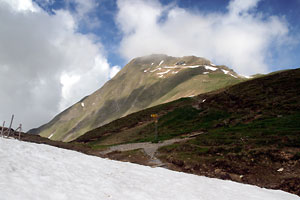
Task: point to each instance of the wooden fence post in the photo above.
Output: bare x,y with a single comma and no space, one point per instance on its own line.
2,129
20,130
12,119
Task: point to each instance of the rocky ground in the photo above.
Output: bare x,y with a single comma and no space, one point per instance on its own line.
147,152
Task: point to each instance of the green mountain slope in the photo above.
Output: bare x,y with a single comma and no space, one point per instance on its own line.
249,133
271,97
142,83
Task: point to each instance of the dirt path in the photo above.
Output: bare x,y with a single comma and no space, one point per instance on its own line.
148,147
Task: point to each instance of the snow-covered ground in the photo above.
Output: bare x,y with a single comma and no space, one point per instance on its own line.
35,171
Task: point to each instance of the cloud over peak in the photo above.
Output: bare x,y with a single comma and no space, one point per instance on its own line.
239,38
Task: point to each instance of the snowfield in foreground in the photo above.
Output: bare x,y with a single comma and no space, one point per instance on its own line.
35,171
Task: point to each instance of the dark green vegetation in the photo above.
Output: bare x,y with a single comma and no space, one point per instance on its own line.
135,127
252,152
139,85
267,105
251,132
280,131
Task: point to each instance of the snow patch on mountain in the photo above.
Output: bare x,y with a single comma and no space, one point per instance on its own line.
194,66
248,77
171,67
161,73
210,68
154,70
233,75
225,71
161,62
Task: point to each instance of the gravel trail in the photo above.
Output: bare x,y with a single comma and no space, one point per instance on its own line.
148,147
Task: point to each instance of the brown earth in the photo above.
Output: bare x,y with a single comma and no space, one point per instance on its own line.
137,156
268,168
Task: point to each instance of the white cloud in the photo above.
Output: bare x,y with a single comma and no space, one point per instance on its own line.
83,7
24,5
84,80
241,6
45,64
238,38
83,12
114,70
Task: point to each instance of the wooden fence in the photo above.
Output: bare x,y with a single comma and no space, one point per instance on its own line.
9,132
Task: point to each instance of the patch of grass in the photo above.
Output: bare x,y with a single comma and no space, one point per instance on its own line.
209,119
169,148
186,113
202,150
220,80
270,131
133,152
296,156
240,140
185,119
96,146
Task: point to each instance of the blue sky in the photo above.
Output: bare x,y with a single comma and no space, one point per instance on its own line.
110,35
59,51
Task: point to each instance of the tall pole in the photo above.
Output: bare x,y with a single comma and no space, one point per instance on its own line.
156,132
20,131
12,119
2,129
155,117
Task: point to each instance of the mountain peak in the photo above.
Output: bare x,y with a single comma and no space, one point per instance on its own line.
169,60
144,82
163,66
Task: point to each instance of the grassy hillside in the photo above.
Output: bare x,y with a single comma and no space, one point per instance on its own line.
268,98
142,83
250,132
